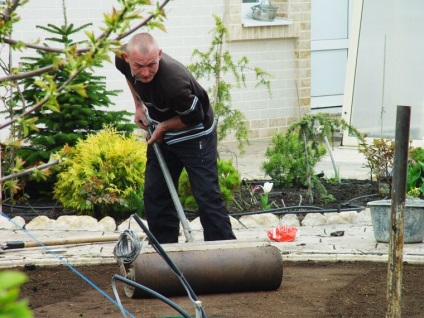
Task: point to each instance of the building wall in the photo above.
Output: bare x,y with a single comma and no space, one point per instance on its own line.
283,51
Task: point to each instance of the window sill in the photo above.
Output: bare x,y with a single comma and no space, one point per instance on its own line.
250,22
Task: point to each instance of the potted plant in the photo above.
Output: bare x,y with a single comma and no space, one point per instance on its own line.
414,209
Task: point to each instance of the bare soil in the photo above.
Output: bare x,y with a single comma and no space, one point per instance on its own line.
308,289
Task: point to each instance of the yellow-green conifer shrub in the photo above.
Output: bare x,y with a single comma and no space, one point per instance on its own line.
100,173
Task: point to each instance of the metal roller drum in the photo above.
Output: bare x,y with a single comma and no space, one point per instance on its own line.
227,270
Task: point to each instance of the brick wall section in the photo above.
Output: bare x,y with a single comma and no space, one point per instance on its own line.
283,51
297,83
303,54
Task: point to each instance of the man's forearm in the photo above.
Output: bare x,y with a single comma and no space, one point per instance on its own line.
172,124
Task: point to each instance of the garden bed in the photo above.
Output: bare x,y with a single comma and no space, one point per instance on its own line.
345,194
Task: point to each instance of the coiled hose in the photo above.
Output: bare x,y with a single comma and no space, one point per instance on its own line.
128,247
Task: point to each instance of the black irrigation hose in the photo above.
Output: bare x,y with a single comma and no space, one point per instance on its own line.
153,293
156,245
277,210
363,196
26,207
298,209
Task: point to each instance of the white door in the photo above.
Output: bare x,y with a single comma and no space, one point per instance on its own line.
329,48
386,68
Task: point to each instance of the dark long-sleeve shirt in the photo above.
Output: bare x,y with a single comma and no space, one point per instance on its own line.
173,91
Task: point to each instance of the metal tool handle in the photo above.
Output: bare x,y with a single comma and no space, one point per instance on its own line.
181,215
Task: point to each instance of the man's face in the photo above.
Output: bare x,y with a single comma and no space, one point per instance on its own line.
143,67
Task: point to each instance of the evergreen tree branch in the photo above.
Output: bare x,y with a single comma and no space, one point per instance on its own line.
39,71
40,104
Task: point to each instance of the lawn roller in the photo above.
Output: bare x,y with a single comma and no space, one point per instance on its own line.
200,267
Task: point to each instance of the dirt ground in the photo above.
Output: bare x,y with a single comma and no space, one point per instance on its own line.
308,289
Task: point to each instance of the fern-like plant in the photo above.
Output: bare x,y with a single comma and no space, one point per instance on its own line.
100,174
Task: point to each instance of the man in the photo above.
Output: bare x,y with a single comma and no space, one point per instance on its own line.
186,131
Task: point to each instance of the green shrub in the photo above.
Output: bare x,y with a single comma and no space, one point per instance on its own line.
100,173
229,182
286,161
10,306
292,156
415,179
82,109
380,159
416,154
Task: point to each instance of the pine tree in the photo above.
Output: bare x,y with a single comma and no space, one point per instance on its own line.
80,112
78,115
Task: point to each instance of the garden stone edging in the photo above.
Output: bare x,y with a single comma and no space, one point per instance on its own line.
108,224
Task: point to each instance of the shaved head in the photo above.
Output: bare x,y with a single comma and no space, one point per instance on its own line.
142,43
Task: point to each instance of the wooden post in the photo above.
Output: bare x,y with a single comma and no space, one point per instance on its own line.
395,264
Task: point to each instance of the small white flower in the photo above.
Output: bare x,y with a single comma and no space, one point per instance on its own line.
267,187
319,129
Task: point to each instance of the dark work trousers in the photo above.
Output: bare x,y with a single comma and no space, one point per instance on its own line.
199,158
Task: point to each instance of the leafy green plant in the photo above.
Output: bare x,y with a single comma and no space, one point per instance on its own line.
324,196
416,154
415,179
286,162
229,183
415,176
380,159
100,173
264,197
242,203
214,64
292,156
10,305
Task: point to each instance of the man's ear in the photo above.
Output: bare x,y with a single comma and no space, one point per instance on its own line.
160,54
125,56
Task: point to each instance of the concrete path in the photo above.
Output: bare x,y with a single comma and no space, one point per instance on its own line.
314,242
